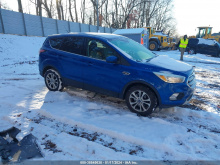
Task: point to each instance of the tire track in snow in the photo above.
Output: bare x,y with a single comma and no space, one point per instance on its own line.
107,138
103,139
193,123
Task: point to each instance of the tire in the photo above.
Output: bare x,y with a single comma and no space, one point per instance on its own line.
153,46
191,51
53,80
141,100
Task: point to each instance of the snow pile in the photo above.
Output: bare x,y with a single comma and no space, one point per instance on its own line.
70,125
160,34
207,41
129,31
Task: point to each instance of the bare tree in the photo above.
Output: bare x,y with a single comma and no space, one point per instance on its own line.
162,18
59,6
75,11
112,13
127,10
70,10
4,6
83,7
62,10
94,4
39,7
94,10
47,8
20,9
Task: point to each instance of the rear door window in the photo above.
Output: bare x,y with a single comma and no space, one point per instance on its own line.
73,45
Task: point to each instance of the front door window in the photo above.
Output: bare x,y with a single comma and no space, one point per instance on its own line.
98,50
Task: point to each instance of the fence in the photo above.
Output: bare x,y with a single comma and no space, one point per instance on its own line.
25,24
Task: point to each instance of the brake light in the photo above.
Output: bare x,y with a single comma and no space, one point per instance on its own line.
41,51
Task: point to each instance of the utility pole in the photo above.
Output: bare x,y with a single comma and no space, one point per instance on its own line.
97,7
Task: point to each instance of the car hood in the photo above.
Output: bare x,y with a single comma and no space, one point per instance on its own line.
170,63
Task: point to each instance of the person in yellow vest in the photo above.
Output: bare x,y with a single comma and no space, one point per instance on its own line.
183,45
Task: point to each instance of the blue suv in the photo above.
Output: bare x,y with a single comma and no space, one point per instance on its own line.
116,66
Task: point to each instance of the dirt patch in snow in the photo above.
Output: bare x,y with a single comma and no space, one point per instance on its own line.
49,145
21,63
90,136
195,104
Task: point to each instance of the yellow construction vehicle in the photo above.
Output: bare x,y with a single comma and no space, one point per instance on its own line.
172,43
157,40
206,33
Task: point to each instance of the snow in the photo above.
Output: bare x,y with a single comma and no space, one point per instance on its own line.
160,34
129,31
169,63
207,41
84,127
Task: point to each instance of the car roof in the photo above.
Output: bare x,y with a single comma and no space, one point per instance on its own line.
87,34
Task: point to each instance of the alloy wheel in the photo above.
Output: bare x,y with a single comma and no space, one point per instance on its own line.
52,80
139,101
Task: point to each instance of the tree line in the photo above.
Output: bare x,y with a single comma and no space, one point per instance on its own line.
119,14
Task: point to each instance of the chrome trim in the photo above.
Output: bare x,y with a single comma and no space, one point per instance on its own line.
125,73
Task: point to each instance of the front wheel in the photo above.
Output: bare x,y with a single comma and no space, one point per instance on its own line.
141,100
53,80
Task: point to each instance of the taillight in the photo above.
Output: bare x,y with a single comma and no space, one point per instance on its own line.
41,51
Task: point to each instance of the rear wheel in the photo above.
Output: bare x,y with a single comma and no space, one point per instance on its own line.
141,100
53,80
153,46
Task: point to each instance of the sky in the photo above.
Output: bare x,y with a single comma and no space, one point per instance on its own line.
189,14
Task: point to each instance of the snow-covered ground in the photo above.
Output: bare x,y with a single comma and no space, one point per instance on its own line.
75,125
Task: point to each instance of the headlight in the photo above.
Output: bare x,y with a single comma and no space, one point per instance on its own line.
170,78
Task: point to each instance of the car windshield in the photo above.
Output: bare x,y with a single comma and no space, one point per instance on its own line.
133,49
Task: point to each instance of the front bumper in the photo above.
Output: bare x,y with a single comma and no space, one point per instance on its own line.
185,94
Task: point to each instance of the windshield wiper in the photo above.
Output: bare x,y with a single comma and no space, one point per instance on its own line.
138,60
147,60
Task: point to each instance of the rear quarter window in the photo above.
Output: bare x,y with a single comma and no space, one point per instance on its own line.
73,45
56,43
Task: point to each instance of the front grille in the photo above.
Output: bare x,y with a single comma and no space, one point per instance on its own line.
191,80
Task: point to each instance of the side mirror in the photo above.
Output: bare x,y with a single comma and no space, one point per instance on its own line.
112,59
